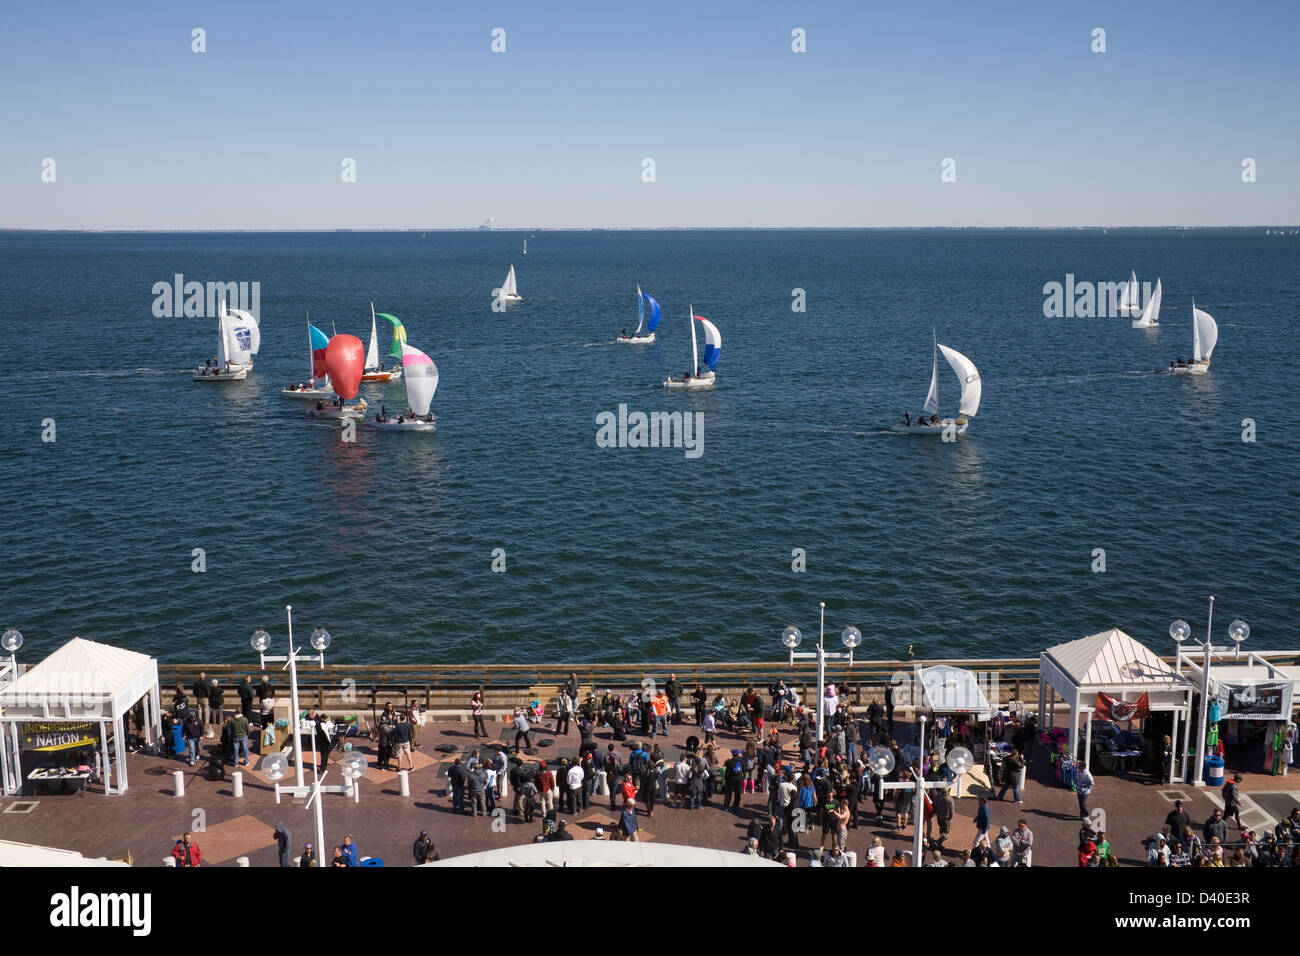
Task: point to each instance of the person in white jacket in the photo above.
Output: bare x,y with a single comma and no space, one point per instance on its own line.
1022,838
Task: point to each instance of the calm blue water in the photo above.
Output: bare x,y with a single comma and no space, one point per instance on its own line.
983,547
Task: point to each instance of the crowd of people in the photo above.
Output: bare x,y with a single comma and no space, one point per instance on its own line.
1178,843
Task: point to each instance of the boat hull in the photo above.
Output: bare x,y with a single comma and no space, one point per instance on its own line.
1198,369
333,411
234,375
636,339
390,376
315,394
1139,324
701,381
403,426
898,428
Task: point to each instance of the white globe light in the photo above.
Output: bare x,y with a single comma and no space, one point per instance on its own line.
11,640
275,766
791,637
1239,630
851,637
1179,631
320,639
960,760
354,765
880,760
260,640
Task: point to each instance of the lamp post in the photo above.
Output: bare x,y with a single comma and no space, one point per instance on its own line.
851,638
11,641
1179,630
320,640
881,760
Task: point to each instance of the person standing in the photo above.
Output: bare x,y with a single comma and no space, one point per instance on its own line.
193,731
246,695
545,781
283,840
735,770
239,728
308,857
266,702
577,788
563,711
889,705
476,711
457,780
522,731
1022,840
1215,826
1083,783
662,710
944,808
1178,820
186,852
700,697
351,854
403,733
422,849
324,741
1012,765
478,790
674,690
202,690
216,703
648,789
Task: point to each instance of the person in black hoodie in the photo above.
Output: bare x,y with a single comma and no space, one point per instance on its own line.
769,839
245,692
647,789
216,700
457,779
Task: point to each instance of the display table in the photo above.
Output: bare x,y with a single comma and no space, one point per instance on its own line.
1116,761
59,779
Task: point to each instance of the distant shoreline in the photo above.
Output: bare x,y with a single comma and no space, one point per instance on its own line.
535,229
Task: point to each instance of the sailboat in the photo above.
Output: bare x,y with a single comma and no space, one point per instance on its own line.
243,324
235,340
508,291
525,247
636,338
1129,297
318,380
421,382
1205,335
971,389
1151,314
373,371
712,349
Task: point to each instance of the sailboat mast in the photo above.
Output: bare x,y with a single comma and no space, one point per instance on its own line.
695,352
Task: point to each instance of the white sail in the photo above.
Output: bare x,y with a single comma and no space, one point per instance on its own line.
695,352
969,377
508,287
640,310
247,321
372,353
1128,296
932,398
421,378
1151,314
237,339
1205,334
223,339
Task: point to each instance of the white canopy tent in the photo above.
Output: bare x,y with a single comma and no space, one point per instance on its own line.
953,690
27,854
82,682
1111,663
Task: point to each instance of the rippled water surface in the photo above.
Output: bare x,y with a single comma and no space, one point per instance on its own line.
983,547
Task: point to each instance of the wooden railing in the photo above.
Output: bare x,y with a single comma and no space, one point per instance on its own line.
507,685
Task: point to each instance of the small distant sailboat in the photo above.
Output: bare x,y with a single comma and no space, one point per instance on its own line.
236,338
508,290
1150,317
1205,335
712,350
636,338
421,382
1130,297
373,371
317,385
971,390
525,247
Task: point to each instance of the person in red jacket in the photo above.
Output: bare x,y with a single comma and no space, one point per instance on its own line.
186,852
545,781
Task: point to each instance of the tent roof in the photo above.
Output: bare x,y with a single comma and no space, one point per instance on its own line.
85,672
586,852
26,854
1111,659
953,690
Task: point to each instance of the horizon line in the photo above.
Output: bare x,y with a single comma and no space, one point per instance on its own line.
517,229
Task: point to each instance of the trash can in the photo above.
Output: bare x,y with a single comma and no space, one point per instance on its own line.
1214,771
178,740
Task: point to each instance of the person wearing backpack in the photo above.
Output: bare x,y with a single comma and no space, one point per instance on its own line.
734,780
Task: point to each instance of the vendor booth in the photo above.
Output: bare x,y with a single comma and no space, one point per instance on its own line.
1110,682
1251,710
960,712
65,718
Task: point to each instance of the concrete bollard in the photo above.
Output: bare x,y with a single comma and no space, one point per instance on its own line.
602,784
237,783
404,783
852,857
241,861
178,783
1024,771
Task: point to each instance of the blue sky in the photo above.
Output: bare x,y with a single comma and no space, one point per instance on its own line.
552,133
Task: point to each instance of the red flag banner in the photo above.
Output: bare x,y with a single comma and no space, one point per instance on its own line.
1108,708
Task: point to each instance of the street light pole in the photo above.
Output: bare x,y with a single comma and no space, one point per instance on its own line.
293,715
1205,701
821,678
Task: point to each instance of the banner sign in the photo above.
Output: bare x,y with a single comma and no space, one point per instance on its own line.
1255,701
60,735
1109,708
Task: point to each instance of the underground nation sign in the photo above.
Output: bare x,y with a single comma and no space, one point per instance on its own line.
60,735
